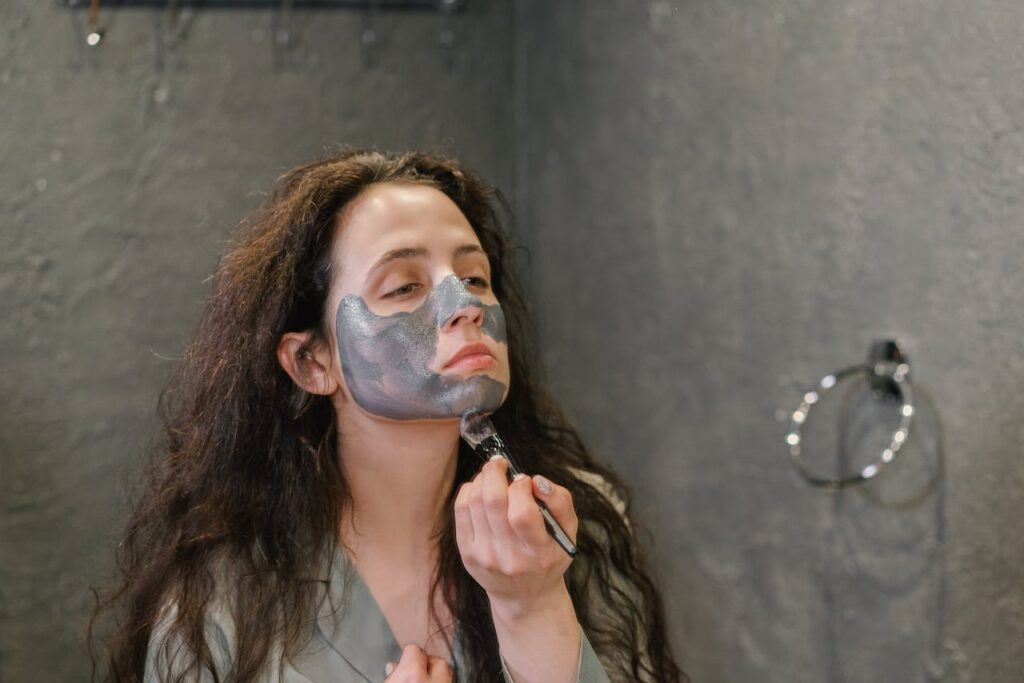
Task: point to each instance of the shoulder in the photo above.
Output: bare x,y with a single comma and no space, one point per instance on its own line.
169,655
604,487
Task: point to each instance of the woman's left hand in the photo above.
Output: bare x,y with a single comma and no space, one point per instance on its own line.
503,541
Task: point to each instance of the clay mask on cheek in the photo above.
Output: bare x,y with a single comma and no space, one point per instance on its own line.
385,358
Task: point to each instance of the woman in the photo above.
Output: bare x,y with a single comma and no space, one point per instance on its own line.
312,507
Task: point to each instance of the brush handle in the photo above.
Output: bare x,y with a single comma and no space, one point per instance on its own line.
556,530
493,445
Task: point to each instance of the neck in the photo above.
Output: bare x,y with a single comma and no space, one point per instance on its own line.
399,475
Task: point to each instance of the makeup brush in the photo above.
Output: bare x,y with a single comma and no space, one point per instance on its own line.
479,433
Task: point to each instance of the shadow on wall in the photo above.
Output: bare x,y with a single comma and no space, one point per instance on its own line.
885,583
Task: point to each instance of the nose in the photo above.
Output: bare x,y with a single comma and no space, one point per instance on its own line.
468,313
457,305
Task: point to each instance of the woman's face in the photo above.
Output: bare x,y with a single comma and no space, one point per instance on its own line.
419,333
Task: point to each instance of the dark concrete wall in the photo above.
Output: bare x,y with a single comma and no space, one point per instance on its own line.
726,200
120,177
729,200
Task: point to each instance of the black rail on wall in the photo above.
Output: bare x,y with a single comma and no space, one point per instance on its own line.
425,5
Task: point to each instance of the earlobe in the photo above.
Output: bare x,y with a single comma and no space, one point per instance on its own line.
305,364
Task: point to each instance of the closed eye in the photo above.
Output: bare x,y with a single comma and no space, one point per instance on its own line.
404,289
476,281
408,288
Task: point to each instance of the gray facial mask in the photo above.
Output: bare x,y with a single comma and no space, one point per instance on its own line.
385,358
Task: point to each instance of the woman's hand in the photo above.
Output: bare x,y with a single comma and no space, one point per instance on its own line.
507,549
416,666
502,538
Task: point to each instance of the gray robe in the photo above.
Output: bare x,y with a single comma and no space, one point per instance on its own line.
351,640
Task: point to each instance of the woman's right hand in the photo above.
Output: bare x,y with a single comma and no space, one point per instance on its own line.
416,666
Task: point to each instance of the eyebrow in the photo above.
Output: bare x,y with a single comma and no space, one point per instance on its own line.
419,252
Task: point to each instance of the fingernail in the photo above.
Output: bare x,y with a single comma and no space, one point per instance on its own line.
518,476
388,668
543,484
497,457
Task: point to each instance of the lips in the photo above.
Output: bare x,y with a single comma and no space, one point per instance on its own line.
471,354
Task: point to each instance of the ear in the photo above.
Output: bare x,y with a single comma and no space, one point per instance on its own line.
307,364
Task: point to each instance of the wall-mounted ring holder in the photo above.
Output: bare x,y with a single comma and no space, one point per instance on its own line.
888,373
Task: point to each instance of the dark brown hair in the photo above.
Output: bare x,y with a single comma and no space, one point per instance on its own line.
246,467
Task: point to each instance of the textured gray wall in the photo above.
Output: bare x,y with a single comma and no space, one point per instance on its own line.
120,178
728,200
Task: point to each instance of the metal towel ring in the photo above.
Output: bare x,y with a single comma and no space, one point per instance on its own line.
888,372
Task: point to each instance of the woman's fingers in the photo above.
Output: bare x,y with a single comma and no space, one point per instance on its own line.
480,550
414,657
416,666
464,533
439,670
510,553
523,514
503,516
412,667
559,503
495,500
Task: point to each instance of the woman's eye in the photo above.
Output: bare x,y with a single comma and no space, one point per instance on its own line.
408,288
404,289
476,281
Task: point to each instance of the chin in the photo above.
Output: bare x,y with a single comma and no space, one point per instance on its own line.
480,391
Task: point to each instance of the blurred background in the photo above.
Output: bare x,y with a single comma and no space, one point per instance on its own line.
724,201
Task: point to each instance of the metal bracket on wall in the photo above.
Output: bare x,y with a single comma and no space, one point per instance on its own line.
283,38
421,5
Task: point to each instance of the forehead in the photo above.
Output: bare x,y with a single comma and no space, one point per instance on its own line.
392,215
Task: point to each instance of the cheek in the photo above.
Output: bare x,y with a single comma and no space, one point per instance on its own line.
504,363
337,370
348,348
505,377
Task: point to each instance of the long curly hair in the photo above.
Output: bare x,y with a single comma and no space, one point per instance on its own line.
246,467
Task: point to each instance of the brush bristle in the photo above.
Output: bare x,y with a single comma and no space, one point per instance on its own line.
476,427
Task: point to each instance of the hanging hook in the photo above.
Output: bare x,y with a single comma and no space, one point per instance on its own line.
168,30
171,32
446,38
95,35
368,36
283,39
171,25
